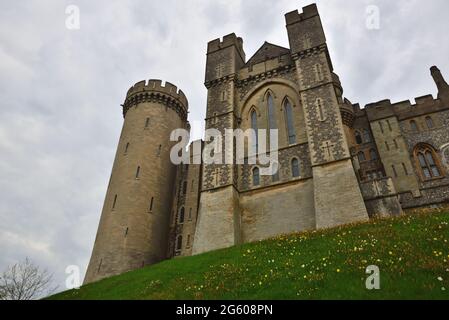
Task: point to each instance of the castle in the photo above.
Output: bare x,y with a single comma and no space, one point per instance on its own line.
338,163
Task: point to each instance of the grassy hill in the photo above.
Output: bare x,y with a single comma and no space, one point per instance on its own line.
412,253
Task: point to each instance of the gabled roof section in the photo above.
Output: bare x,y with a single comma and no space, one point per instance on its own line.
266,52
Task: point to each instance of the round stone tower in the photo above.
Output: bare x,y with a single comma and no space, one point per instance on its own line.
134,224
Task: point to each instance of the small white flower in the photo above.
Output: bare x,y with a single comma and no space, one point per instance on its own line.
440,279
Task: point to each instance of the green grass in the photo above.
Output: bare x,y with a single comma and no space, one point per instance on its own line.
412,253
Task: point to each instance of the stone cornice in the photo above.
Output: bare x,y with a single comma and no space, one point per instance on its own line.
265,75
225,79
309,52
155,97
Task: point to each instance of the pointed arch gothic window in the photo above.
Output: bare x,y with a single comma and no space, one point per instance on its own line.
414,126
429,122
291,133
373,154
255,128
256,177
428,162
361,156
275,176
272,123
179,243
358,138
181,215
295,168
366,136
319,106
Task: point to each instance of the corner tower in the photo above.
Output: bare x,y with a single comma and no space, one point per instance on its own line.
335,184
218,224
134,225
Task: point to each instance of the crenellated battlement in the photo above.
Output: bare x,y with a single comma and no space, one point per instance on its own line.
407,109
404,109
154,90
307,12
156,85
228,41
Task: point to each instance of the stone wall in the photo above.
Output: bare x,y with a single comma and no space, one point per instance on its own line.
381,198
272,211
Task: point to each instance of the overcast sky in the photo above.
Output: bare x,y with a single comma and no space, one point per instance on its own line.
61,90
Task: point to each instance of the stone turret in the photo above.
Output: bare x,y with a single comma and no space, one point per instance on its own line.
443,87
134,225
335,183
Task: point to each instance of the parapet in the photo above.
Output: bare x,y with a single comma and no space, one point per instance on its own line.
154,88
425,99
307,12
228,41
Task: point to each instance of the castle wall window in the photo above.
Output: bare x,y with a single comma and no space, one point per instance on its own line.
396,145
147,123
256,176
414,126
366,136
381,127
255,128
159,150
318,72
190,214
114,203
429,122
405,169
361,156
99,266
179,243
151,204
181,215
319,106
126,232
373,154
428,162
291,133
394,171
126,148
184,188
358,138
138,173
275,176
272,122
295,168
389,125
